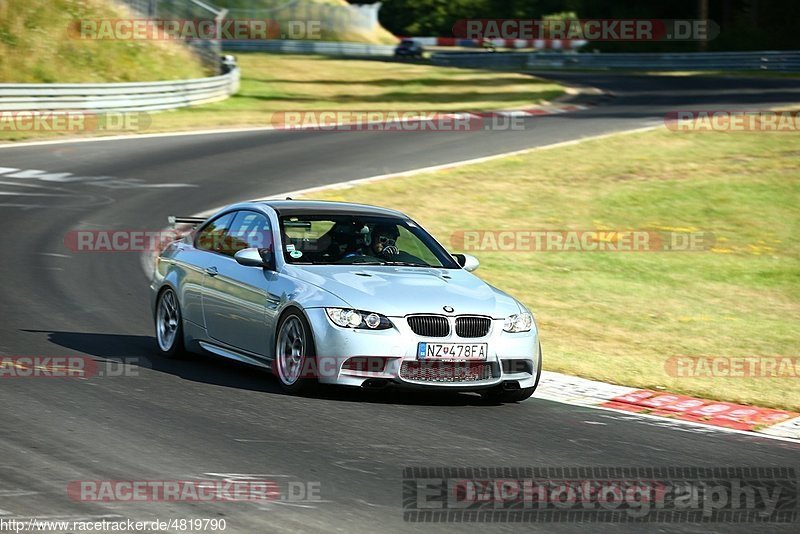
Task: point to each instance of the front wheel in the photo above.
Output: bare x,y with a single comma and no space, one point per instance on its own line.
295,357
169,327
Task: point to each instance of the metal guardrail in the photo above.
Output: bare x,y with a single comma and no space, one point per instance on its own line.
139,96
325,48
776,61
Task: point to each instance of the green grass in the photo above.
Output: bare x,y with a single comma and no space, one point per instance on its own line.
36,47
273,83
619,317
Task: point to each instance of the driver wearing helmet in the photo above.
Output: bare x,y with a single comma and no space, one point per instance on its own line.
384,239
380,242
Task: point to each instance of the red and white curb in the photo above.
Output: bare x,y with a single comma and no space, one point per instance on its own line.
723,415
541,44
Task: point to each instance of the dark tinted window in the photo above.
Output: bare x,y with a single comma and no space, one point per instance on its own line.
212,236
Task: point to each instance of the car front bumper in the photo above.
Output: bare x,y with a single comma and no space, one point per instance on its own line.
512,359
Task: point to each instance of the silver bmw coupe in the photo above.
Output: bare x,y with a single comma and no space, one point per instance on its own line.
338,293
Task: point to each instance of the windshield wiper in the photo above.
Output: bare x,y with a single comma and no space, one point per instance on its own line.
380,262
407,264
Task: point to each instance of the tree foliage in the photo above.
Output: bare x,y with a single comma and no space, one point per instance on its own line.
744,24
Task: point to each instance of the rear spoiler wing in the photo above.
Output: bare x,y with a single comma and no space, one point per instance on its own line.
194,221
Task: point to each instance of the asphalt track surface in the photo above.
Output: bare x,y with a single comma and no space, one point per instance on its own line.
182,420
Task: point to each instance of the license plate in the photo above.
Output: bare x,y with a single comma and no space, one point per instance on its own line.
452,351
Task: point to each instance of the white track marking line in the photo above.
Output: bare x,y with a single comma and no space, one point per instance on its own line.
23,206
17,493
514,113
33,186
246,476
156,186
54,255
24,194
138,136
70,178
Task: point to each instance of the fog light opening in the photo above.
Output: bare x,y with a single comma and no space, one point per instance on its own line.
365,364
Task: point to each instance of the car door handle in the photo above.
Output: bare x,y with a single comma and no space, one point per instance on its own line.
212,271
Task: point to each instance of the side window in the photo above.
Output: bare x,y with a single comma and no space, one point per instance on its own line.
249,230
212,235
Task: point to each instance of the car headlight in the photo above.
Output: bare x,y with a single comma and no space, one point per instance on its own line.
521,322
347,318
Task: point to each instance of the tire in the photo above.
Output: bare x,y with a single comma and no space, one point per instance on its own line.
295,354
169,325
515,395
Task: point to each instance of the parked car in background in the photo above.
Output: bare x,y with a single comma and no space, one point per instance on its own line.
408,48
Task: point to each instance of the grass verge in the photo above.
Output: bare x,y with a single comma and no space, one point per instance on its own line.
620,317
36,47
273,83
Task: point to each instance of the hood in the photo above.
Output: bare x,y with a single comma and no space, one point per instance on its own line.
399,291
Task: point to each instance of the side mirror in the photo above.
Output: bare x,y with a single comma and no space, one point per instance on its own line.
467,261
256,257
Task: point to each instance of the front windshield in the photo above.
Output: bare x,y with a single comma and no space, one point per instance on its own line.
359,240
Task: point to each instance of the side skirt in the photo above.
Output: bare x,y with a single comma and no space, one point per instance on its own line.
233,355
